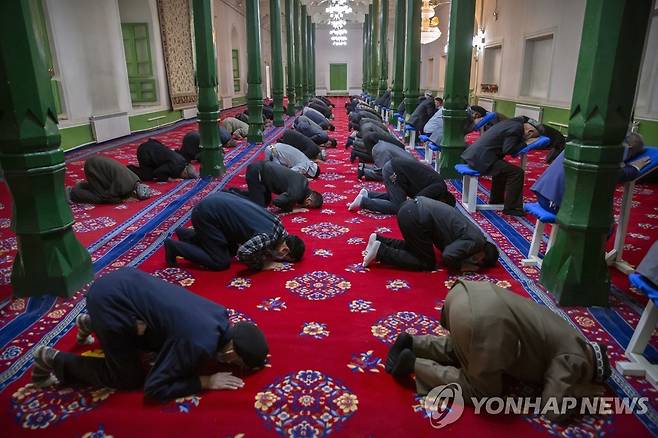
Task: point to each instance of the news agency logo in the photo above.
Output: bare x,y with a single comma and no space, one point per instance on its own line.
445,405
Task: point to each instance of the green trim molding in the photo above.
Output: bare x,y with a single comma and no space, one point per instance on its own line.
76,136
237,101
648,129
146,121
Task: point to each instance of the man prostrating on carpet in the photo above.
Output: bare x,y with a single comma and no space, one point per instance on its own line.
225,225
426,223
132,313
267,177
495,333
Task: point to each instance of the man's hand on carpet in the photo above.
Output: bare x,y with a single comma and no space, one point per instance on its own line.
221,380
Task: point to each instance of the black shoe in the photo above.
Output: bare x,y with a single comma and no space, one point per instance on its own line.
405,364
170,253
352,157
403,342
185,234
514,212
360,171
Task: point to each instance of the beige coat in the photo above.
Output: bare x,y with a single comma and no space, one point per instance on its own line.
496,333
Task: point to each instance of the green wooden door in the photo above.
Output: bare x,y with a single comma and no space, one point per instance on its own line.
338,77
137,50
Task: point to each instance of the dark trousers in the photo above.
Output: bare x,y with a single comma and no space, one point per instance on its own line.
416,251
205,245
257,192
121,368
507,185
373,173
81,193
364,156
390,201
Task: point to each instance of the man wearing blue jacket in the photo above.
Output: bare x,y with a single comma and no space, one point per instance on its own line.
226,224
132,313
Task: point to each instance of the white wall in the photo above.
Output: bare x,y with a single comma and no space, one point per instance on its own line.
88,46
352,55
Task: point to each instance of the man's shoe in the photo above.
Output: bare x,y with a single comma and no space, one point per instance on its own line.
403,342
170,253
42,371
405,364
360,171
83,323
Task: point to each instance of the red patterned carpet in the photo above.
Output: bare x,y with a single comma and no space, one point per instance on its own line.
328,321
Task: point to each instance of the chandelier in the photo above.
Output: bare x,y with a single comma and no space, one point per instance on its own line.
337,10
429,28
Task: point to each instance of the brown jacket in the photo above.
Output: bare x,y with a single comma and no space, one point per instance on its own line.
496,333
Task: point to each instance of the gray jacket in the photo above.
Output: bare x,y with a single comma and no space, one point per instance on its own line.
292,158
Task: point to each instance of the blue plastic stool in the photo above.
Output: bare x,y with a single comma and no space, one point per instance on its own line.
637,364
543,217
412,136
470,190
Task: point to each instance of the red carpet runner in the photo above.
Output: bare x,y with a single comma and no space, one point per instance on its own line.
329,324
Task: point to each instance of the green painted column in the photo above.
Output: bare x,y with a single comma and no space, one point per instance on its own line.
313,66
398,53
292,66
212,155
383,48
277,62
412,56
366,52
304,45
574,270
254,76
299,92
374,55
310,92
50,259
455,95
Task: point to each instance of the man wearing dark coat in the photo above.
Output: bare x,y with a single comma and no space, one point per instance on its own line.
486,155
224,225
425,223
159,163
107,182
403,178
303,143
423,112
320,106
267,177
313,131
318,118
497,336
132,313
191,149
382,153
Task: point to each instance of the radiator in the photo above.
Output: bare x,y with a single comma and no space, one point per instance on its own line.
532,111
486,103
190,113
110,126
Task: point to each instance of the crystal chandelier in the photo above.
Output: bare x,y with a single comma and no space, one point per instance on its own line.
429,29
337,10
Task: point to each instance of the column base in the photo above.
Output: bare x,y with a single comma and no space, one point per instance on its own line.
64,270
574,270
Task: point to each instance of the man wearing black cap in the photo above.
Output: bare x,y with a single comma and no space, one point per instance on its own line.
497,336
486,156
225,225
132,313
425,223
158,162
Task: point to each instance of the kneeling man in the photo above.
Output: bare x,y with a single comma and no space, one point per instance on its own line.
132,313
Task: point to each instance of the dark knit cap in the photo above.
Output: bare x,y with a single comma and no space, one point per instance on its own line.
250,344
